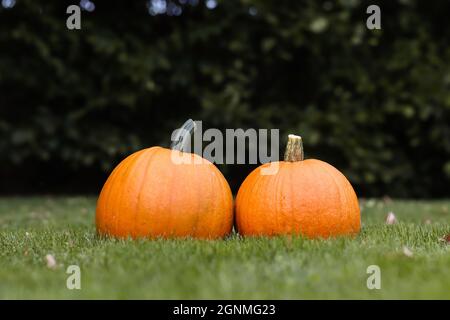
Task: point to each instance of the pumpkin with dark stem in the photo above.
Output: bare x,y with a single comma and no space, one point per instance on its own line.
151,194
304,197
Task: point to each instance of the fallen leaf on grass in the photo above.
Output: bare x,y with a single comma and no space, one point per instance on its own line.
391,218
445,239
407,252
51,261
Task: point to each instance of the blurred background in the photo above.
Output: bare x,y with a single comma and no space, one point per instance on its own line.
373,103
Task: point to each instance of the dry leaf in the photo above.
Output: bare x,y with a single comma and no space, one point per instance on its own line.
51,261
407,252
445,239
391,218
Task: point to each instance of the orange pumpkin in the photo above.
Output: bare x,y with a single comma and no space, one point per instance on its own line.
306,197
150,195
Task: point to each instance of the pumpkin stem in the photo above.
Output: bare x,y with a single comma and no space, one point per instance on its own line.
294,149
182,135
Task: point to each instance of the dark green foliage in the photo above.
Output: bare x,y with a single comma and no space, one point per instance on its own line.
375,104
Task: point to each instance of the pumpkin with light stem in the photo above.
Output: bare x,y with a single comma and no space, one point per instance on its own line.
150,195
304,197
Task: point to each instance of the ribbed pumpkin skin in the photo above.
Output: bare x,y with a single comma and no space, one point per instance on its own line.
308,197
148,195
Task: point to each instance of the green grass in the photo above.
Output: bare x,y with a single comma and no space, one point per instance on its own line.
278,268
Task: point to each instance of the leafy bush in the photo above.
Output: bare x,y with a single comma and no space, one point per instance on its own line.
374,103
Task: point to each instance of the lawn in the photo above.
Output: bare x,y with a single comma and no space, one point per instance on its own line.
258,268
